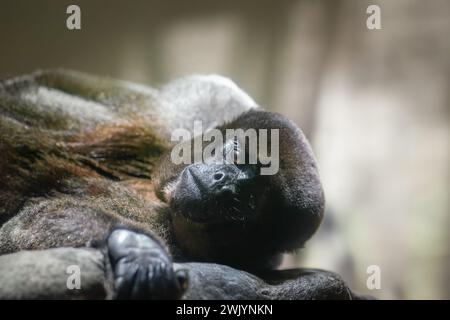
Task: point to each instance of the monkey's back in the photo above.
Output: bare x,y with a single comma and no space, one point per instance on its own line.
75,144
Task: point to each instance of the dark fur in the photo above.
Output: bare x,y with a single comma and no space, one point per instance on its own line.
78,159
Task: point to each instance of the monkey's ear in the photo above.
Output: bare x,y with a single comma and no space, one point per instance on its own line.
163,177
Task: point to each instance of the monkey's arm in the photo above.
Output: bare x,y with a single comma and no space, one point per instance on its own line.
45,274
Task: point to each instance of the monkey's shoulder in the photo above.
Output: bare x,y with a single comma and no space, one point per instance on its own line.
59,124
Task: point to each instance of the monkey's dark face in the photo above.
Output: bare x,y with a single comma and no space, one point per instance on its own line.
217,190
238,203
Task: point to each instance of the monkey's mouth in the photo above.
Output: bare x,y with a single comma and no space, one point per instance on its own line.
201,202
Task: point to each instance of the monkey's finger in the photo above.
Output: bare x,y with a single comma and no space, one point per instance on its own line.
123,283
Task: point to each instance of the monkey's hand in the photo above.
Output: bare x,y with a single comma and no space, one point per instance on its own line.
142,268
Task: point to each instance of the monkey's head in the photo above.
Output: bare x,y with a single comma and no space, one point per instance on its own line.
256,187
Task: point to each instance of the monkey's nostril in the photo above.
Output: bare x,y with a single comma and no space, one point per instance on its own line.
218,176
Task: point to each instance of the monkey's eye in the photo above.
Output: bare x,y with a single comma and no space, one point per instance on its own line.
231,151
236,144
236,158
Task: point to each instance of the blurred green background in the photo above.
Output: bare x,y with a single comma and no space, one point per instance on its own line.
375,105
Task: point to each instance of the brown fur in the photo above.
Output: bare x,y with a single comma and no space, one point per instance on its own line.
69,175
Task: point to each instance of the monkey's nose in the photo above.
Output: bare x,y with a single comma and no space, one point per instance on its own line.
211,177
224,182
219,176
222,177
